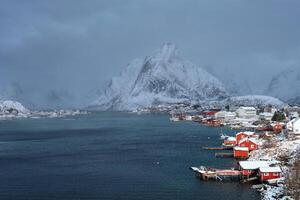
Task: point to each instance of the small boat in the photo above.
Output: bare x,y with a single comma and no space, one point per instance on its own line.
223,136
174,118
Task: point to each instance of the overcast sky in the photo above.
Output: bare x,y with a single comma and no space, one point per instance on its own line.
77,46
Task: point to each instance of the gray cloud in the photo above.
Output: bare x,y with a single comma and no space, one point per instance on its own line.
76,46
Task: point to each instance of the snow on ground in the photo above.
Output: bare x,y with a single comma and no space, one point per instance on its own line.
254,100
272,192
283,148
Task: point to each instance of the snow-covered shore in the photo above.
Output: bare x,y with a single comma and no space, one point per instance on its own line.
283,151
13,110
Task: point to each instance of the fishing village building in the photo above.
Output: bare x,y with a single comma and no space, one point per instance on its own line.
225,115
241,135
240,152
230,141
246,112
268,173
250,143
250,168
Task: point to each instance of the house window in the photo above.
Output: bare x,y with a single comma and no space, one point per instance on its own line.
252,146
266,174
275,174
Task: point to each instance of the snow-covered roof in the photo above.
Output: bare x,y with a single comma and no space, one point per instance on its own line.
241,148
250,139
247,108
270,169
231,139
255,164
246,133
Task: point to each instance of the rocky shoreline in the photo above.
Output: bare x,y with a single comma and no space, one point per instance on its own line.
284,150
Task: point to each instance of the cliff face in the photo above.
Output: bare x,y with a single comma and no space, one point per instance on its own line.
162,78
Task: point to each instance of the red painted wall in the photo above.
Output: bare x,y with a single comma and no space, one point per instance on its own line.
240,136
247,172
268,176
247,143
240,154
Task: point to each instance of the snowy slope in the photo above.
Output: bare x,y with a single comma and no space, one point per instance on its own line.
162,78
234,83
12,109
253,100
286,85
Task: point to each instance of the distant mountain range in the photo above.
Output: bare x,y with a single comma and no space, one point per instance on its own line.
233,82
167,78
286,86
162,78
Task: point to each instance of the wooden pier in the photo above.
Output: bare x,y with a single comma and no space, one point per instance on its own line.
216,174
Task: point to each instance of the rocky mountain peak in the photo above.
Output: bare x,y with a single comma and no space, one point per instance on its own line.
164,78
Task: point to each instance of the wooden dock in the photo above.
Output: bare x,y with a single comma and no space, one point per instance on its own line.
216,174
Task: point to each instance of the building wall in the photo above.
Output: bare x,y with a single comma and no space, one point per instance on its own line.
239,137
251,145
267,176
240,154
246,113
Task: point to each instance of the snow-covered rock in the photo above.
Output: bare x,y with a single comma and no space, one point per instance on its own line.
10,109
162,78
254,100
285,85
282,148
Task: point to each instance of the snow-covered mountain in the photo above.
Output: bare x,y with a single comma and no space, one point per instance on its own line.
286,85
13,109
162,78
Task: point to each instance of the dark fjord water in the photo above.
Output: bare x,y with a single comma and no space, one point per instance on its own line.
110,156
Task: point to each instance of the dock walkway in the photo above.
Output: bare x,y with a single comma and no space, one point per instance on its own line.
216,174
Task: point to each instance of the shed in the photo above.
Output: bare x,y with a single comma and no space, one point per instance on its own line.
230,141
245,134
251,143
241,152
268,173
249,168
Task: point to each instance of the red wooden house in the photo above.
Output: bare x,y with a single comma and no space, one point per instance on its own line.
230,141
241,135
250,168
241,152
268,173
251,143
